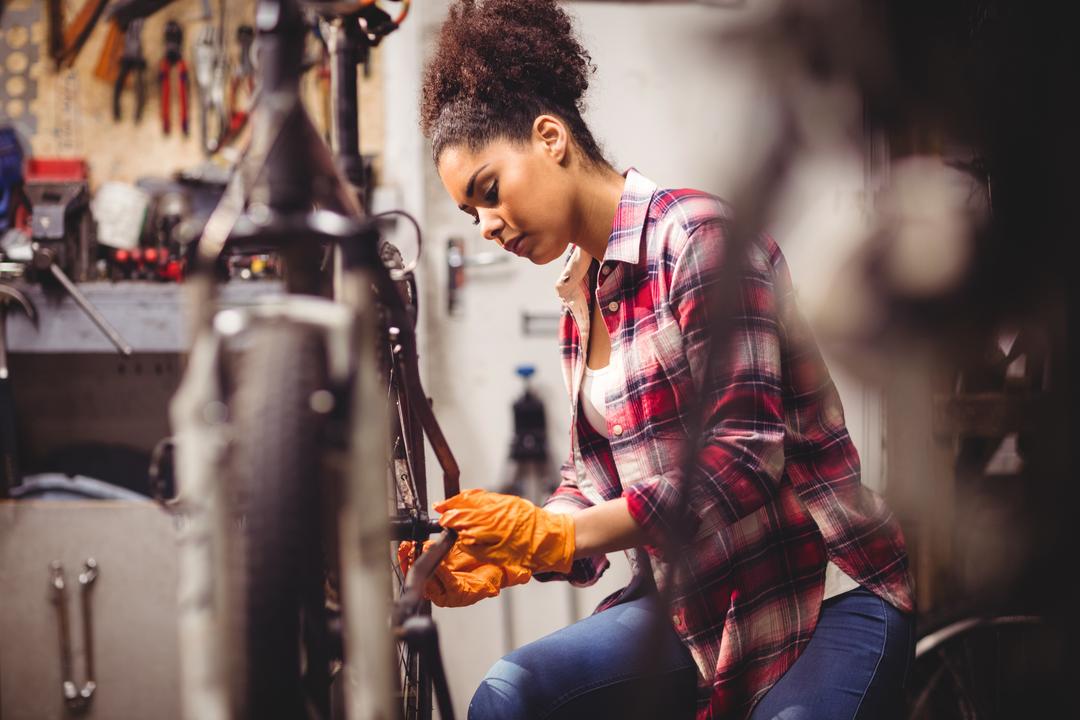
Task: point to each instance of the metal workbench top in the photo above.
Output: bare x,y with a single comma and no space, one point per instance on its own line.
150,316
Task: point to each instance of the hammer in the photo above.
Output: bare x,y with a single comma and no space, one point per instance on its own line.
9,464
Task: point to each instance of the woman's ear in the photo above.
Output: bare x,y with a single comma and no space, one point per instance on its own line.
551,136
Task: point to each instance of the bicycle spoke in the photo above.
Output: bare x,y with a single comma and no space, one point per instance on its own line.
965,702
390,384
927,692
409,683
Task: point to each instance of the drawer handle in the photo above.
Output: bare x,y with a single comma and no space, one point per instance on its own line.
77,699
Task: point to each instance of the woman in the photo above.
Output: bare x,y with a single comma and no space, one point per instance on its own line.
785,583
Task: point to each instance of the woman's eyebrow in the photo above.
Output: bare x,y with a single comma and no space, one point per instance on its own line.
472,181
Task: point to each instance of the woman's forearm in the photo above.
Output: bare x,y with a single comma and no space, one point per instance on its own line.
605,528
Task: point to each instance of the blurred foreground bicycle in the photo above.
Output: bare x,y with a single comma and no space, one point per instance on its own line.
300,422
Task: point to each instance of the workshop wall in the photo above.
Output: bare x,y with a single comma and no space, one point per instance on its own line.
69,112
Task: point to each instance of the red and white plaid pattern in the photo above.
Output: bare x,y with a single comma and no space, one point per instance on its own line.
777,490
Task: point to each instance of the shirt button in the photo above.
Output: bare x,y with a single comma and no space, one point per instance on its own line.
676,620
613,306
605,270
617,429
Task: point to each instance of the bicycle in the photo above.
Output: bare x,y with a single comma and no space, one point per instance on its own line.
284,586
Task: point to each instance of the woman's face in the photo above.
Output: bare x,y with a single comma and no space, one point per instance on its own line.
520,194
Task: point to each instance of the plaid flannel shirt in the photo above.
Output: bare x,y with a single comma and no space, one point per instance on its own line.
776,492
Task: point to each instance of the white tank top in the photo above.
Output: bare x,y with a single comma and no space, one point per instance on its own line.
593,389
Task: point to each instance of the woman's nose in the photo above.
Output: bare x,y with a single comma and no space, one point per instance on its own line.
491,225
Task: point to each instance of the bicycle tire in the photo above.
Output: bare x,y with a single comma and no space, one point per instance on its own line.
275,433
982,668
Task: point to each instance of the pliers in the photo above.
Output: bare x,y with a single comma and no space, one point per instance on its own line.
174,46
132,59
210,70
242,85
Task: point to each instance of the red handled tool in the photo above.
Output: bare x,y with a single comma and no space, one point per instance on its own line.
174,58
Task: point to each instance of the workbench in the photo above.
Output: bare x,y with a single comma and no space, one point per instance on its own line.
74,390
149,315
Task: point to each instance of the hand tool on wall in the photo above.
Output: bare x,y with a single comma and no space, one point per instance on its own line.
67,40
210,76
242,84
132,60
112,49
174,58
120,15
9,458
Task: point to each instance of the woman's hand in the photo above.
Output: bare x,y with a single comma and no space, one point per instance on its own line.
460,579
509,530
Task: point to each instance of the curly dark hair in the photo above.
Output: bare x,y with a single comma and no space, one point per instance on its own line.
499,64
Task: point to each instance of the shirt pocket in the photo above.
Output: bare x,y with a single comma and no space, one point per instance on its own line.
664,381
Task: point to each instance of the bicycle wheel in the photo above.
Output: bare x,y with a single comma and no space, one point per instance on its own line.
983,668
274,476
408,490
409,509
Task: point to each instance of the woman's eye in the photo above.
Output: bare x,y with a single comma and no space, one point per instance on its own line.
492,195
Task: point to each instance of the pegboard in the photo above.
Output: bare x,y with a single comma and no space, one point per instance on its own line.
21,40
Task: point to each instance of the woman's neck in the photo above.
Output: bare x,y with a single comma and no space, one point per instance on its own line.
600,192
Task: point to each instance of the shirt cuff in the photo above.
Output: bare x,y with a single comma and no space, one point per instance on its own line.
583,573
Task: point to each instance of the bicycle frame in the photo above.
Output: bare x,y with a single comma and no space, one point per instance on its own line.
292,195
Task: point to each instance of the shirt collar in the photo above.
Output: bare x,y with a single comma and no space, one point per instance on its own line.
624,242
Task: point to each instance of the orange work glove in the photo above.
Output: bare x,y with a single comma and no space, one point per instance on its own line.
460,579
506,529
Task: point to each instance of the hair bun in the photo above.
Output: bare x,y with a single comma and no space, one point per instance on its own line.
490,52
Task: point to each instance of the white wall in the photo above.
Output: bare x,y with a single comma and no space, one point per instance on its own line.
663,92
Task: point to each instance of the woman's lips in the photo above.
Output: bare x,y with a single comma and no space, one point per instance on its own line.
515,245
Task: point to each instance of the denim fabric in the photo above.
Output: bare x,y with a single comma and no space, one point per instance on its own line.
605,667
601,667
854,667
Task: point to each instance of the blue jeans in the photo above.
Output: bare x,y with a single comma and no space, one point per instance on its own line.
608,666
605,666
855,665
